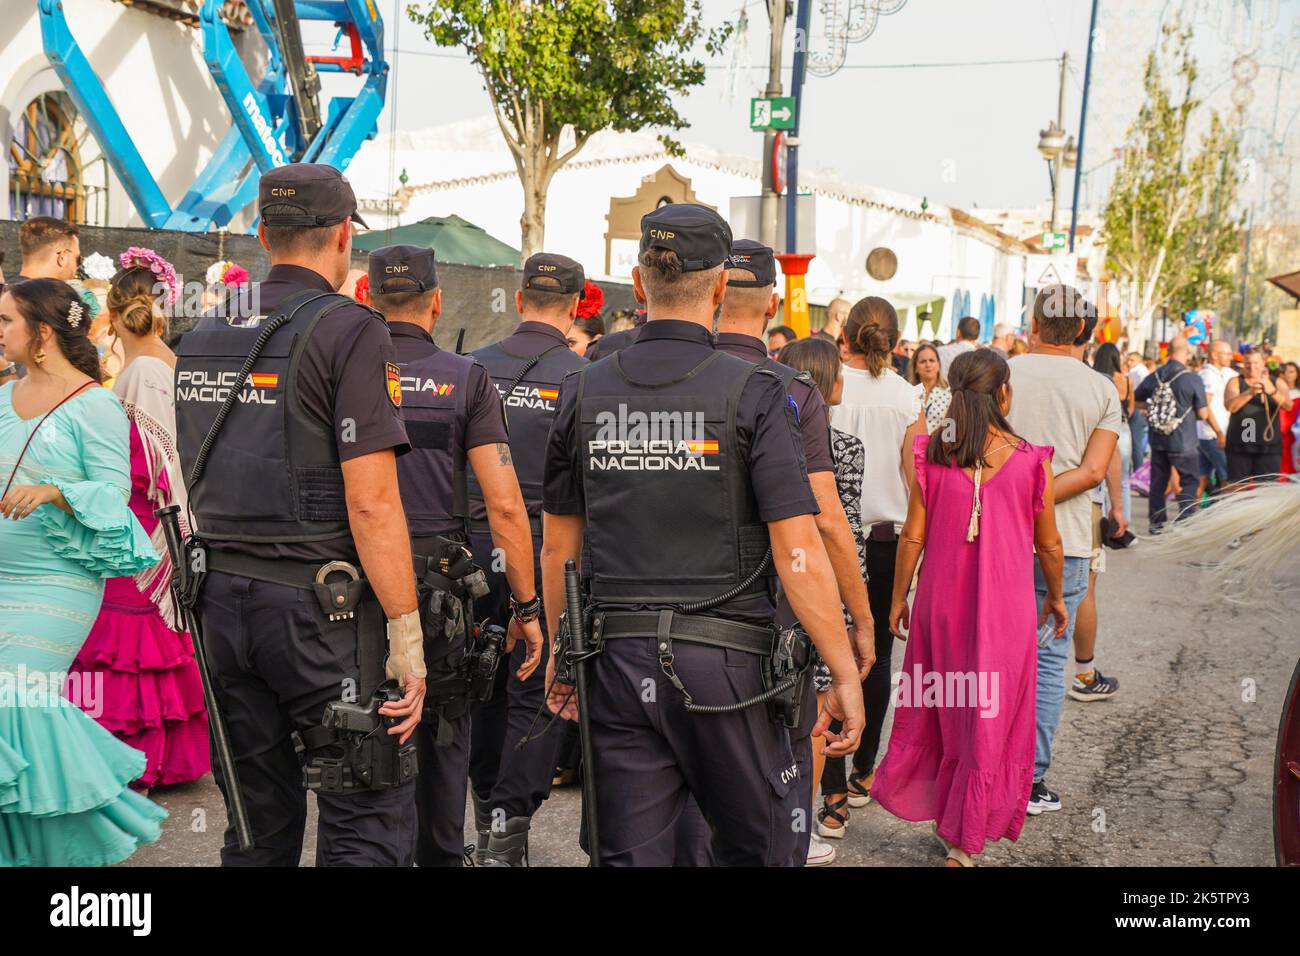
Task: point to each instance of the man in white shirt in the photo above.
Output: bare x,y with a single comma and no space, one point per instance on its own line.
1216,375
968,333
1059,401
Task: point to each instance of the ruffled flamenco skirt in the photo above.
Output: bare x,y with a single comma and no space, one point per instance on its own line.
146,686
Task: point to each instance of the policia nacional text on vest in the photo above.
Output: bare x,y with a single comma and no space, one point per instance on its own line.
260,470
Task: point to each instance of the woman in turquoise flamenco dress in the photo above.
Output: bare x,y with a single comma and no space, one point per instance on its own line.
65,526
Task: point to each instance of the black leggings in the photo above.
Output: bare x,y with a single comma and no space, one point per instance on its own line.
875,689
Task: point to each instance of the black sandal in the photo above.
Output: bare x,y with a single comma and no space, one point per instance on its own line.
832,810
859,796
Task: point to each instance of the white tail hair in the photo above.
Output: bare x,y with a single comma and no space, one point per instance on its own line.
1267,520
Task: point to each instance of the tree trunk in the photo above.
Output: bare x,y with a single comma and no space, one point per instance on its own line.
532,224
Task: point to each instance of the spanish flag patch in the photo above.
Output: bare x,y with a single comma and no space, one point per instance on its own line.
394,375
702,447
548,393
265,380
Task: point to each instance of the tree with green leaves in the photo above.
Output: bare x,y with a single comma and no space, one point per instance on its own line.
575,66
1171,227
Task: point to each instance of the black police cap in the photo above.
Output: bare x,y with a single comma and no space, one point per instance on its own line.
306,194
401,268
753,257
564,270
700,237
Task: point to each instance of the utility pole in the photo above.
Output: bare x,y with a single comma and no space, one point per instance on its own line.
792,142
1083,126
776,12
1058,163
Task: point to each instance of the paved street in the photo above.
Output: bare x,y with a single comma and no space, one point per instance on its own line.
1176,771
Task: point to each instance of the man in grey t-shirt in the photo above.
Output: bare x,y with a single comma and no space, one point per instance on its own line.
1059,401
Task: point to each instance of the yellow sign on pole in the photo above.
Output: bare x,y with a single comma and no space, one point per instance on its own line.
795,267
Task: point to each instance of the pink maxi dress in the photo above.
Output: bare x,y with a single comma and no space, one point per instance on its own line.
962,749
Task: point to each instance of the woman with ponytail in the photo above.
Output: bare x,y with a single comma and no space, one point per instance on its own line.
962,748
152,697
877,408
65,471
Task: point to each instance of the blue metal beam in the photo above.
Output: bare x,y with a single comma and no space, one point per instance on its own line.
250,109
225,186
92,102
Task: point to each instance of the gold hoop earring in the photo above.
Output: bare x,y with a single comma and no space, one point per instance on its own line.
39,357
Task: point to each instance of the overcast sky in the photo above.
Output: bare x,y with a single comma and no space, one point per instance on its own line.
961,135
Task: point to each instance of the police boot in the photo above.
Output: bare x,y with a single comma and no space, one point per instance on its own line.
483,826
509,846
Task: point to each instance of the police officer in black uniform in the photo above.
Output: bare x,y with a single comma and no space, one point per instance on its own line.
749,307
288,426
510,780
454,417
684,466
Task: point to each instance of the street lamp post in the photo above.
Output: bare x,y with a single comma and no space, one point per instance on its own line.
1054,146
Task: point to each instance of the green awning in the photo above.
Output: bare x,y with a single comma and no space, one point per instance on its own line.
452,239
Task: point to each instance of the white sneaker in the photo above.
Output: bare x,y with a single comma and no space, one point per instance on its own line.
820,853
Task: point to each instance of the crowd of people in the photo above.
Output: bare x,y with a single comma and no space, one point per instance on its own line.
961,497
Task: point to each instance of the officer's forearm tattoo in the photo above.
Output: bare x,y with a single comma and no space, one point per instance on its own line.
503,450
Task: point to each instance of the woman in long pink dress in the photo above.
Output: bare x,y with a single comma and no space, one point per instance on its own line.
152,696
962,748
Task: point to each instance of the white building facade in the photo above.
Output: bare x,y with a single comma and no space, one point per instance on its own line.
464,168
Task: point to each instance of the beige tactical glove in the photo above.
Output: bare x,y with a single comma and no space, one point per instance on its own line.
405,648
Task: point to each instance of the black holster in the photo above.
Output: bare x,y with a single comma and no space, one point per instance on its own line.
371,758
789,667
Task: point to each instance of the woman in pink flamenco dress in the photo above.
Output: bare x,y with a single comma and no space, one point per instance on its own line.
152,696
962,748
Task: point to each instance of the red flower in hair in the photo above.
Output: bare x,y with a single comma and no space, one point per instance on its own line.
591,302
361,291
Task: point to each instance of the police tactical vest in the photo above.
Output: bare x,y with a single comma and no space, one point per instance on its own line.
671,515
272,474
530,409
435,384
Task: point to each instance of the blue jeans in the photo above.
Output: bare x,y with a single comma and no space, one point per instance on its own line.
1052,660
1214,463
1125,445
1137,424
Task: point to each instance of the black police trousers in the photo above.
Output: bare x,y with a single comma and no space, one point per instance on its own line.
276,661
440,786
511,778
652,756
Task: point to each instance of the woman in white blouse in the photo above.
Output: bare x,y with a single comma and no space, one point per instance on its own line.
925,370
878,406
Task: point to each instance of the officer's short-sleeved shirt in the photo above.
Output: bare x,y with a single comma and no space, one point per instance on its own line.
809,405
342,383
767,432
485,422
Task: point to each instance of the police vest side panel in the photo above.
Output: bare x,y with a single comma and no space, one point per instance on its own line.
272,474
434,405
530,409
671,515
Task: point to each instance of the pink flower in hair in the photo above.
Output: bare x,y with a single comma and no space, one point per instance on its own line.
235,275
137,256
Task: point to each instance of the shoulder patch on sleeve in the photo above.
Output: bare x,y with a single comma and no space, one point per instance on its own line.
394,383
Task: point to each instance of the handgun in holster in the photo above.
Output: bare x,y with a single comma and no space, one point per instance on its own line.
359,753
789,667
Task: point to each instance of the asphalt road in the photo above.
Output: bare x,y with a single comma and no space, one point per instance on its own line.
1176,770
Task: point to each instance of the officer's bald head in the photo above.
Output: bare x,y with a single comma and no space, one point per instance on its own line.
747,309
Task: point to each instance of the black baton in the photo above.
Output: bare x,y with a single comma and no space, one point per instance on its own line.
184,597
578,641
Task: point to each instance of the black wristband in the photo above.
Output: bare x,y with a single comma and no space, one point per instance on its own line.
528,611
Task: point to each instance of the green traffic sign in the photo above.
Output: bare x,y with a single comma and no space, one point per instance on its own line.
771,112
1053,240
